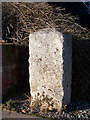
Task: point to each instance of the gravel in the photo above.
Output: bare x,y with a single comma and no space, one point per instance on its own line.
78,110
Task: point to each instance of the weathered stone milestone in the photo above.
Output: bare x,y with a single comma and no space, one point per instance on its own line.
50,68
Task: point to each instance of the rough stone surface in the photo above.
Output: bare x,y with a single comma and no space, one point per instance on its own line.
50,68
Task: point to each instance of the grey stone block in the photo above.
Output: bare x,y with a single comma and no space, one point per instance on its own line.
50,68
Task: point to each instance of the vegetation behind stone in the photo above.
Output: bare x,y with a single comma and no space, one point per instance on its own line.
21,19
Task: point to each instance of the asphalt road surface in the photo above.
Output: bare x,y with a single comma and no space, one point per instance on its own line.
6,115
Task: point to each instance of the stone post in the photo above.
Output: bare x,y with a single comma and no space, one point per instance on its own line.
50,68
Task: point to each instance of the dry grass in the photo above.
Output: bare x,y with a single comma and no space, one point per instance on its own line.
25,18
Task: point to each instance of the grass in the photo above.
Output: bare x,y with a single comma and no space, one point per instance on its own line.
10,105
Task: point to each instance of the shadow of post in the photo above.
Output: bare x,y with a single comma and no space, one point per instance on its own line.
67,68
80,69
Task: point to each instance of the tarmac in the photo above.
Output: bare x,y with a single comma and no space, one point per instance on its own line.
7,115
